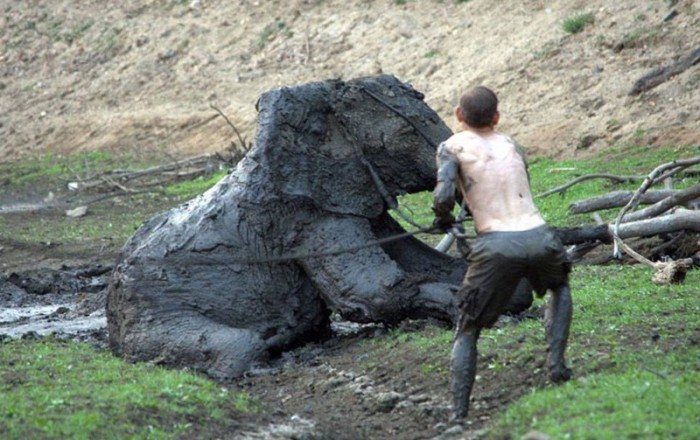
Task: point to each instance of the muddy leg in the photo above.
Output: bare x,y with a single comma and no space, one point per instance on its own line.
463,365
191,340
557,322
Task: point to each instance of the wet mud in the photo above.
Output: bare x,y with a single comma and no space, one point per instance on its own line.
65,303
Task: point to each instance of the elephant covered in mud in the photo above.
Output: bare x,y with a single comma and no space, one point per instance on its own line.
244,271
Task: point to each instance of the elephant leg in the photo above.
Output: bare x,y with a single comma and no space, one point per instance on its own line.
191,340
367,285
414,256
430,302
557,322
463,367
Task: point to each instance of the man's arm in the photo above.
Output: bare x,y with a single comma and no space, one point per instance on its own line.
521,152
444,193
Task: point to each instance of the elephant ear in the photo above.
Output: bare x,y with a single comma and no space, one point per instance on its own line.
301,153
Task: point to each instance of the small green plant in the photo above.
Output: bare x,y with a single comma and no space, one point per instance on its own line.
612,124
640,37
271,31
77,32
432,53
109,41
547,51
576,23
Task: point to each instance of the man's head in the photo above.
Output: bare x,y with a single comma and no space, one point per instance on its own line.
478,108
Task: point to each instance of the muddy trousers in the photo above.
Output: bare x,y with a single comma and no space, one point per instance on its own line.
464,352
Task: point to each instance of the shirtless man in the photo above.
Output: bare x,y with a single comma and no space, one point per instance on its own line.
513,240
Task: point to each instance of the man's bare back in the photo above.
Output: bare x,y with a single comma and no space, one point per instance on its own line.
494,180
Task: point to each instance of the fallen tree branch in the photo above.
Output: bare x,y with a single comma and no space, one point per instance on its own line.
589,177
617,199
673,242
666,204
658,174
666,272
235,130
118,178
159,169
681,220
659,75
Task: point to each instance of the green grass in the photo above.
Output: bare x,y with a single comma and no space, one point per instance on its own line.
576,23
191,188
632,353
272,31
57,169
54,389
631,404
641,36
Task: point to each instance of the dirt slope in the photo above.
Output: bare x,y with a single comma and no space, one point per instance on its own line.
89,74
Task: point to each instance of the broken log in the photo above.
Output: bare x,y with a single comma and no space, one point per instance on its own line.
681,220
659,75
617,199
677,199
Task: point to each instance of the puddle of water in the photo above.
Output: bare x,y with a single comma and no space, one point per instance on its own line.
43,320
12,314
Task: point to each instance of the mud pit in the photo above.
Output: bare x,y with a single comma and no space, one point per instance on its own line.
67,303
318,391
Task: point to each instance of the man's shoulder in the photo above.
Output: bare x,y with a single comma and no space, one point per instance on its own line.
460,141
511,140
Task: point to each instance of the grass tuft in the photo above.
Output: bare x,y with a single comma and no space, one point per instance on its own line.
576,23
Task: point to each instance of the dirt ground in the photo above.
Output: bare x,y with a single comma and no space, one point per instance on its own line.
142,76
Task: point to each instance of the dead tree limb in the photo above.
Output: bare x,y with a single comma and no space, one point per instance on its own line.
617,199
228,121
681,220
123,176
664,205
589,177
666,272
658,174
67,204
659,75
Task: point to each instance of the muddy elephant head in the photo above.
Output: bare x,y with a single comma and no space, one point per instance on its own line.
318,144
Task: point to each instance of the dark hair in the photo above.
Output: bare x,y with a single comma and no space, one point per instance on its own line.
478,106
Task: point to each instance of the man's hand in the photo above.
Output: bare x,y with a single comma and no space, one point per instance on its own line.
443,224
